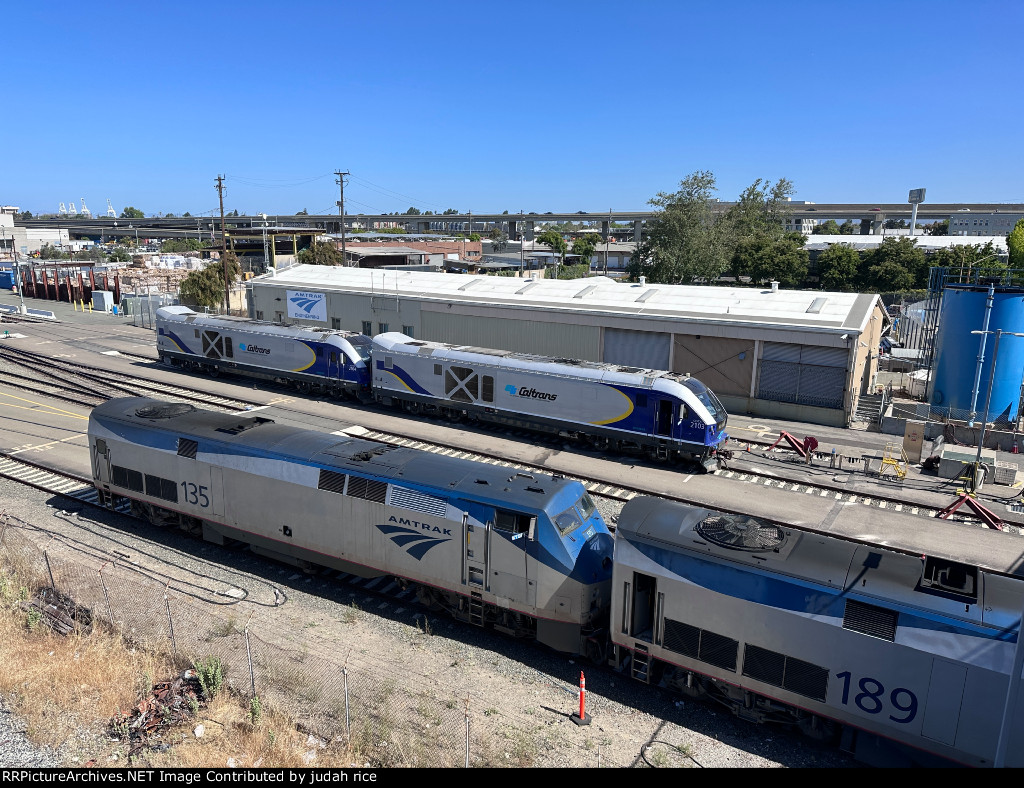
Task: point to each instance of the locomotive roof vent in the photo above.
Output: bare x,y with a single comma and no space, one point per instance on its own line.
164,410
738,532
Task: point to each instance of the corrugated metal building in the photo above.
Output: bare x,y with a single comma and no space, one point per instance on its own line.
796,354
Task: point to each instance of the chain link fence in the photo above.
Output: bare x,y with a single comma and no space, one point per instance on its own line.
381,708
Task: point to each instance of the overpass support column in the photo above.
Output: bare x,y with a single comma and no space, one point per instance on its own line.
529,231
422,227
878,225
637,227
606,228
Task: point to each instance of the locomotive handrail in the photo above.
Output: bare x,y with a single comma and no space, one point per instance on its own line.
529,476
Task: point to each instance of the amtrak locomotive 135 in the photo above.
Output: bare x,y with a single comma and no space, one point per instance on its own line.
529,555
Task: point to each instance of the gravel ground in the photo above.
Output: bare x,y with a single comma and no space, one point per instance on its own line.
526,687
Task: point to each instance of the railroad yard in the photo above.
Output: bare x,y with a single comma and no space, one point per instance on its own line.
53,372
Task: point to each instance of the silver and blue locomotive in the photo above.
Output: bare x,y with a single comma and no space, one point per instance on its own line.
529,555
787,625
319,360
663,414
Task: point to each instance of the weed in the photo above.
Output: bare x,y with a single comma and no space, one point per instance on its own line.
490,712
223,627
210,672
23,594
255,710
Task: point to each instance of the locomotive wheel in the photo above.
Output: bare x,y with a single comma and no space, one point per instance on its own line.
411,407
452,415
337,392
600,442
302,387
213,371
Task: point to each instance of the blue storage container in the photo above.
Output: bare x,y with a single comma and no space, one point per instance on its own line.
956,353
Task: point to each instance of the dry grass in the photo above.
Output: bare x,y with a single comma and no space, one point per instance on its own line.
67,689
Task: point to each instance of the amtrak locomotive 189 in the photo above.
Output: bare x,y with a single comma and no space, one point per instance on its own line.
527,554
317,360
626,409
664,414
786,625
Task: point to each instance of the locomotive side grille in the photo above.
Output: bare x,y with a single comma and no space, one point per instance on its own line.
718,650
367,489
331,481
126,477
701,644
419,502
790,673
187,448
682,638
870,620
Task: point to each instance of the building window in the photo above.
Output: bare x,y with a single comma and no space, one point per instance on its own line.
382,328
407,330
259,315
367,328
336,323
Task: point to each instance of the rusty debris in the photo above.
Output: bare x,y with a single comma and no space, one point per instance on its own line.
59,612
168,704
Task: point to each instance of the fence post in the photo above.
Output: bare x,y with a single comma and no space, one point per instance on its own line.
248,656
348,719
170,621
46,558
106,596
466,713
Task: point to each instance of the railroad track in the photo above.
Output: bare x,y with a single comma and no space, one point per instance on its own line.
54,481
84,384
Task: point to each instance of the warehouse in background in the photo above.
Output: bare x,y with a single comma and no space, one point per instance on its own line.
794,354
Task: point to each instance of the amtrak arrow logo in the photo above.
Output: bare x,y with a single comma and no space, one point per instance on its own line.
305,303
418,541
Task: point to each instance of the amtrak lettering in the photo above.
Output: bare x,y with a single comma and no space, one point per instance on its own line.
418,524
530,393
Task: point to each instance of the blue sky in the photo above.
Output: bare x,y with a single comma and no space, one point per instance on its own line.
532,106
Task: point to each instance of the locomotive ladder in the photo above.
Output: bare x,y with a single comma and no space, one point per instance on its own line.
476,609
639,665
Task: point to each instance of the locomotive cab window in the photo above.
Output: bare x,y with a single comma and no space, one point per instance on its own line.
568,521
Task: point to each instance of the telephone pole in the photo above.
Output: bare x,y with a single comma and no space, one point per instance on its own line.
223,241
341,212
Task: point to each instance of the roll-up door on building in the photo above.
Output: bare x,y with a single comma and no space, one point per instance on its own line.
646,349
802,374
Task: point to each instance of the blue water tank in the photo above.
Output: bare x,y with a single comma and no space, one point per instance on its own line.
956,352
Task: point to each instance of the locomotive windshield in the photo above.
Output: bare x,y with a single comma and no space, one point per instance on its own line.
573,517
361,345
708,400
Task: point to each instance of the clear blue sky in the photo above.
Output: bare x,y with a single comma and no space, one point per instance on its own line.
533,106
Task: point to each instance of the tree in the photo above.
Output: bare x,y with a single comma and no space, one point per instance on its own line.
895,224
557,244
321,253
897,264
838,266
584,247
232,213
205,287
51,252
412,212
174,245
848,228
132,213
26,215
762,209
120,255
474,236
967,258
186,215
449,212
830,227
1015,245
764,258
499,239
169,216
686,241
303,212
938,228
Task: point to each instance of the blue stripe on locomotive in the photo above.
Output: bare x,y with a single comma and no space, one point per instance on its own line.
797,596
321,366
639,420
581,559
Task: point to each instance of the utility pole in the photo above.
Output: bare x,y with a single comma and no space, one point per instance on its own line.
341,211
223,241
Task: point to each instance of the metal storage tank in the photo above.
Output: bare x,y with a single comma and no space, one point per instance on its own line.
956,352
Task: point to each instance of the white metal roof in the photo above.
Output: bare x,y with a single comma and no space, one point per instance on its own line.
728,305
